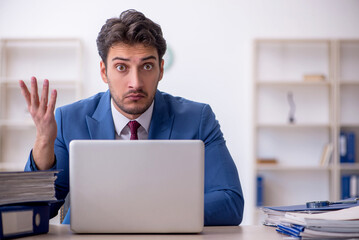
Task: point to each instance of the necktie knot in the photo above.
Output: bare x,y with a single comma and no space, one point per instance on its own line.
133,125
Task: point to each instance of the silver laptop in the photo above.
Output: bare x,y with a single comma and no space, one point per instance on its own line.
145,186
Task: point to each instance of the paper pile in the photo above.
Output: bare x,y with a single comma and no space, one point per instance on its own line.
335,221
18,187
336,224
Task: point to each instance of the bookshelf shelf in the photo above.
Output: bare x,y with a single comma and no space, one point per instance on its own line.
17,124
12,83
349,125
60,61
321,109
293,126
293,83
354,83
291,168
349,166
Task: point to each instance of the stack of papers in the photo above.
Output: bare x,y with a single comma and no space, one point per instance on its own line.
274,214
335,221
336,224
273,217
19,187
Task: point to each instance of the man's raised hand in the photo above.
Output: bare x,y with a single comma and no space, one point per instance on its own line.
42,113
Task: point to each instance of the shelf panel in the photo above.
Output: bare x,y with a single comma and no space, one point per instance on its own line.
17,123
349,82
293,126
292,83
54,83
349,125
349,166
264,168
49,41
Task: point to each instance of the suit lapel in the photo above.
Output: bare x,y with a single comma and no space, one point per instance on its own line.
100,124
162,119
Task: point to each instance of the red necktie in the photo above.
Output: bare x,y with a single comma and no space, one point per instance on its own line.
134,125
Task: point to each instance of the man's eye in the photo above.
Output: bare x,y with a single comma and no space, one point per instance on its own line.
121,68
147,66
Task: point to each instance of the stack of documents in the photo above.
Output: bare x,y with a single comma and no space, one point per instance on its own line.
334,221
19,187
336,224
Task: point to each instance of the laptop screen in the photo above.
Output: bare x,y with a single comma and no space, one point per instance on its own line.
145,186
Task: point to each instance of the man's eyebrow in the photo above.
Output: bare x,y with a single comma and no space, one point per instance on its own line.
120,58
126,59
148,58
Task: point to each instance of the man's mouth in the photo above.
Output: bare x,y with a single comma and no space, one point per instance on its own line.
135,96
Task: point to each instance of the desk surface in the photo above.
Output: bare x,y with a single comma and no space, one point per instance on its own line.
220,233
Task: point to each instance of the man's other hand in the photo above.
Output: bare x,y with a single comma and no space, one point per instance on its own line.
42,113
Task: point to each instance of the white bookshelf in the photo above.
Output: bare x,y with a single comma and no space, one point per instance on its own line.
60,61
323,108
347,94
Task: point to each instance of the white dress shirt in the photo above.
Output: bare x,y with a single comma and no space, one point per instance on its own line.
120,122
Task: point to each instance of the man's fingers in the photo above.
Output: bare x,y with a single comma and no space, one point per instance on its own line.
25,92
34,94
52,102
36,107
44,94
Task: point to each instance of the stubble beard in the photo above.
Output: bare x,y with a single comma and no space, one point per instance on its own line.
138,109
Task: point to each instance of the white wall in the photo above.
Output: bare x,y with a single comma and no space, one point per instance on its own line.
211,40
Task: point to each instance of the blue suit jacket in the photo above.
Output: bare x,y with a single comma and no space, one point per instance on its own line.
172,118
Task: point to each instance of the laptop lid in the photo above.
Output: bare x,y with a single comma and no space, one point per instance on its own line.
145,186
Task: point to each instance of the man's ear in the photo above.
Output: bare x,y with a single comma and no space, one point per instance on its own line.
161,69
103,72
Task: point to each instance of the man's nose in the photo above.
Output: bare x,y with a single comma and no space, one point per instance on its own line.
135,80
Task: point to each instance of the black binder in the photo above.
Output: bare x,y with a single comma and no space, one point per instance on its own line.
19,220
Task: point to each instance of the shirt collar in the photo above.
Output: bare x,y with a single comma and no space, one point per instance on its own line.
120,121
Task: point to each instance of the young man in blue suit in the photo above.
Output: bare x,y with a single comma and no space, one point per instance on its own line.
131,48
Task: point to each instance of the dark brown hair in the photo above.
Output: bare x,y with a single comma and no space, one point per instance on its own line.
130,27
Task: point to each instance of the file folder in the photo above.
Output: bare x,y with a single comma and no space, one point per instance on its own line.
19,220
303,207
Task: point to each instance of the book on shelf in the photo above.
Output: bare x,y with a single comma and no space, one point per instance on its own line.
267,161
314,77
349,186
347,147
326,155
25,199
260,191
342,147
351,147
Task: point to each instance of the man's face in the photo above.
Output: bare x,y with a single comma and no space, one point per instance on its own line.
132,74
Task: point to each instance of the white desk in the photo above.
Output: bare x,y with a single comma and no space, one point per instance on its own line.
220,233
